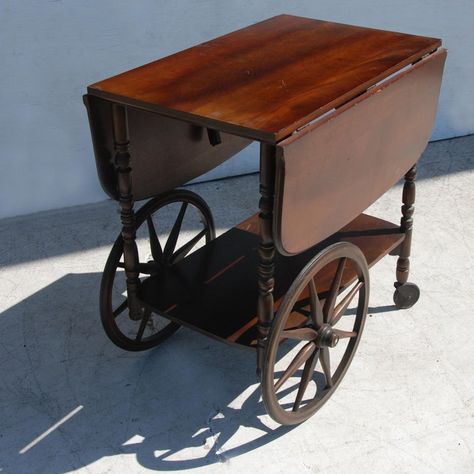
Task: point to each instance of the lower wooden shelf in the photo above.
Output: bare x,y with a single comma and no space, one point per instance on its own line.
214,290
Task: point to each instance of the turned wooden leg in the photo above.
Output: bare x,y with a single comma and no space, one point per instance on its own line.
406,294
266,250
127,215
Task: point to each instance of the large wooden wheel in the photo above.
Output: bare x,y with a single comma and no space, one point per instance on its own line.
332,293
194,220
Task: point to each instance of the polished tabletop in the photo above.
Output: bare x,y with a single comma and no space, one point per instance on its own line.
267,80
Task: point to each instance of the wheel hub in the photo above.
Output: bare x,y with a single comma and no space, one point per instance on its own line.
326,336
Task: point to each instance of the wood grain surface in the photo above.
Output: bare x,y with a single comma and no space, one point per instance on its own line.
214,290
267,80
165,152
332,170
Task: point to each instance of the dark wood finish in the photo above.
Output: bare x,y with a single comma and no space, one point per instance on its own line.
341,113
406,225
332,170
127,215
406,294
165,152
266,250
266,80
215,290
320,334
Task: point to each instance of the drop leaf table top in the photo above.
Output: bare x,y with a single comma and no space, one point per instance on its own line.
265,81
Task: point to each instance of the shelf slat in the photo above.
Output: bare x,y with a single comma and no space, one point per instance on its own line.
214,290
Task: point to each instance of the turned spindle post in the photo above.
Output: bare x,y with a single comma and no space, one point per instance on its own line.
406,226
127,215
266,250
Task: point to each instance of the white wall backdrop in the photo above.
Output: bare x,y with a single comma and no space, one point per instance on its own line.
51,50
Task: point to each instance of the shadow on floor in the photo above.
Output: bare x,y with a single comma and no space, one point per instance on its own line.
174,407
70,398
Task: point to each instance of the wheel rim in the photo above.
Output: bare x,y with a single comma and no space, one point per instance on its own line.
311,344
152,328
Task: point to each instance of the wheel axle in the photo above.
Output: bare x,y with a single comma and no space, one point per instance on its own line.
326,337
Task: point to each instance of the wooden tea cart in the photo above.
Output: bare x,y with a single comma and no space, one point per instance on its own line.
341,114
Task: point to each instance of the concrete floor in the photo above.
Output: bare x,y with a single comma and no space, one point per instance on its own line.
71,401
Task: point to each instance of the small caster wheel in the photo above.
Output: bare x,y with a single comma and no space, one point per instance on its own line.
406,295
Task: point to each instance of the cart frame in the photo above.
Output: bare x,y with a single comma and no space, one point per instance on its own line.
291,190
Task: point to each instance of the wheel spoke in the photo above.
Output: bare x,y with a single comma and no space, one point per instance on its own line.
344,334
147,268
344,304
308,371
186,248
326,365
315,304
303,355
334,291
173,237
120,308
300,334
155,247
143,323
